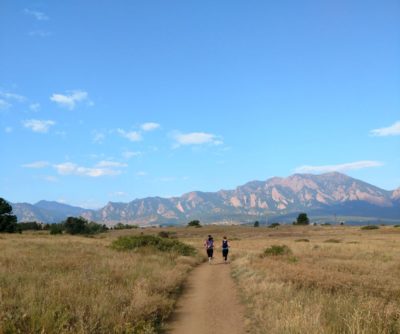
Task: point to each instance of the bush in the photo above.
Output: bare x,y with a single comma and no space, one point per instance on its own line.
396,225
302,240
161,244
333,241
56,229
326,224
121,226
257,224
273,225
194,223
370,227
32,226
277,250
163,234
80,225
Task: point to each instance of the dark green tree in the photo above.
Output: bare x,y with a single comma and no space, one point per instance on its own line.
194,223
256,223
302,219
8,221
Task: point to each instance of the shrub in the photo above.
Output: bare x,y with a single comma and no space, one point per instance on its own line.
33,226
194,223
370,227
273,225
396,225
302,219
302,240
121,226
163,234
257,224
333,241
80,225
161,244
56,229
277,250
326,224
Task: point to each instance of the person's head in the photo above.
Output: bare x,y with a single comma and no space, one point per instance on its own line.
225,238
210,237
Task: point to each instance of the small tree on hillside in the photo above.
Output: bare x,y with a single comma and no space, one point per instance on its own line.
8,221
194,223
302,219
256,223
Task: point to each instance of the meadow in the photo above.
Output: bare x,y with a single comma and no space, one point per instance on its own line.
330,280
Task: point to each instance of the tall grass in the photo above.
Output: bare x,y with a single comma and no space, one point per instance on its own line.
66,284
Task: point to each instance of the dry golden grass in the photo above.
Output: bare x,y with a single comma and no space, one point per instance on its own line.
66,284
342,280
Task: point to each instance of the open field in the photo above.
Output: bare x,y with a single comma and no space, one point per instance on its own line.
334,280
66,284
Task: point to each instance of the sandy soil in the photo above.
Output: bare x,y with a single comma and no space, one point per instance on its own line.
209,303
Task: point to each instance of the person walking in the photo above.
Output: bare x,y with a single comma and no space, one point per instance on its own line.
225,249
209,245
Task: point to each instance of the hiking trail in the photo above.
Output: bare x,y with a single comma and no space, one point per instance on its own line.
209,303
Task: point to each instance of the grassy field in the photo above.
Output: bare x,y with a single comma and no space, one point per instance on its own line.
331,280
66,284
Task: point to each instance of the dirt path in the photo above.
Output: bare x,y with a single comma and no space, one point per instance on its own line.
209,303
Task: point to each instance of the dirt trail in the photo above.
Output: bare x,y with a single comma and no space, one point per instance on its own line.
209,303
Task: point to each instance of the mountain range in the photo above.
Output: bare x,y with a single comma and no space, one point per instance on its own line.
276,199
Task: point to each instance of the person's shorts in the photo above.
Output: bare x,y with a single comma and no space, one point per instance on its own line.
225,252
210,252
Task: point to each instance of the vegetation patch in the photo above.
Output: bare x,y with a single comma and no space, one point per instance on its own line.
370,227
333,241
273,225
277,250
161,244
302,240
396,225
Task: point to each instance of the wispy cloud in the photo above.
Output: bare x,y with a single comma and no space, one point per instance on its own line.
340,167
392,130
142,173
98,137
150,126
196,138
34,106
119,194
4,105
8,129
36,164
41,126
131,154
71,100
109,163
69,168
39,33
40,16
12,96
130,135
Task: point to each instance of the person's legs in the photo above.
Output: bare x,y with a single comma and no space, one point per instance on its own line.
209,254
225,254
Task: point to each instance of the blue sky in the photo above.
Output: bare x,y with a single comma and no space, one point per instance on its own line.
116,100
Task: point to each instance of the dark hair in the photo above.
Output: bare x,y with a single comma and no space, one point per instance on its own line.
225,237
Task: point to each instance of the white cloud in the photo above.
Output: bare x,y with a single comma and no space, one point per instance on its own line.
38,125
98,137
50,178
70,101
119,194
36,164
4,105
393,130
197,138
12,96
339,168
34,106
142,173
8,129
108,163
130,154
39,33
130,135
150,126
69,168
40,16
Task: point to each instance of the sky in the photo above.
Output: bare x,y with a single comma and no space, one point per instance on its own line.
116,100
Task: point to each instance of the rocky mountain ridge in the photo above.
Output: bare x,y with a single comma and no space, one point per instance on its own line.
325,194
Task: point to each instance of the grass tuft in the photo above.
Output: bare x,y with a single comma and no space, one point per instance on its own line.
277,250
370,227
162,244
